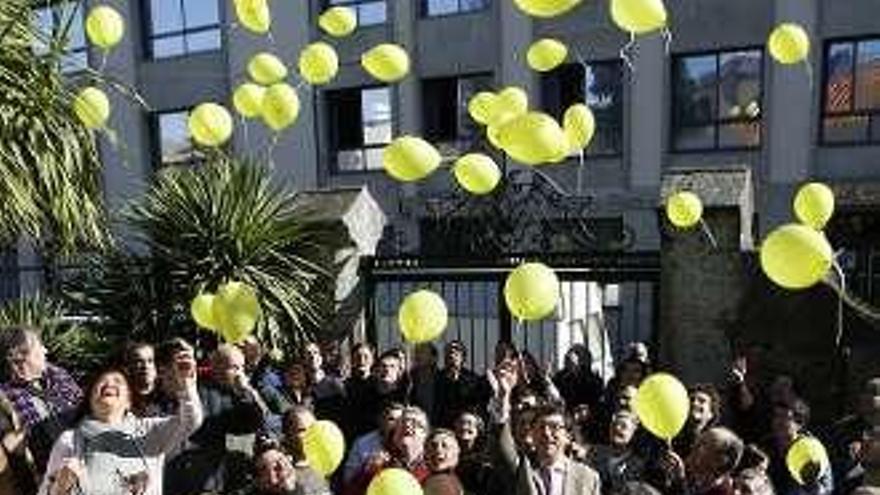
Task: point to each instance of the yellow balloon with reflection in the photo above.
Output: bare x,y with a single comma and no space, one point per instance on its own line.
510,102
386,62
546,54
254,15
814,205
531,291
324,447
248,99
280,106
795,256
789,43
210,124
422,317
684,209
410,158
105,27
236,311
477,173
805,454
534,138
546,8
394,481
318,63
92,107
638,16
480,106
338,21
662,405
493,134
202,311
266,69
579,125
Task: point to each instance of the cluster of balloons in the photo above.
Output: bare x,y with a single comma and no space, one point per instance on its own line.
798,255
233,311
684,209
530,137
105,28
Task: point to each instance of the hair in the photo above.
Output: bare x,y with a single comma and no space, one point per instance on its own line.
391,353
85,408
416,411
800,411
430,347
714,396
126,355
753,457
481,424
363,345
15,336
456,345
552,409
730,446
437,432
166,351
765,486
290,414
626,412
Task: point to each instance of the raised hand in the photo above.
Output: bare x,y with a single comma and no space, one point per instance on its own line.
184,371
71,474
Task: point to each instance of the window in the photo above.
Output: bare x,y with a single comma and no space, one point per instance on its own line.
599,86
64,19
171,140
431,8
444,110
369,12
717,101
360,126
851,95
182,27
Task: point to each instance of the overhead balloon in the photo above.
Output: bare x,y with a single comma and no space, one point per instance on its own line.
248,100
409,158
210,124
324,447
254,15
579,125
477,173
386,62
639,16
684,209
318,63
202,311
531,291
534,138
338,21
795,256
92,107
480,107
267,69
280,106
546,8
546,54
662,405
807,456
510,102
814,205
105,27
236,311
789,43
422,317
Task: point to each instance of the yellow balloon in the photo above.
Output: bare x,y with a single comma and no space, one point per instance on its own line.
394,481
638,16
684,209
510,103
806,452
493,134
546,54
481,105
248,99
324,447
202,311
531,291
477,173
409,158
338,21
579,125
105,27
546,8
236,311
662,405
280,106
254,15
534,138
814,205
422,317
210,124
92,107
795,256
266,69
789,43
386,62
318,63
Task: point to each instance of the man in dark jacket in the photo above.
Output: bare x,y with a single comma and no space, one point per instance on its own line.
458,388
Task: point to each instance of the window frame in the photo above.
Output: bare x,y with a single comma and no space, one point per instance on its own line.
623,114
479,141
332,140
155,146
717,122
354,4
821,140
68,52
149,37
425,13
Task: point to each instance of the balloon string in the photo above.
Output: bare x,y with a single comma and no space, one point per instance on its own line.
842,278
103,64
667,40
862,308
244,131
625,51
580,173
271,39
272,144
708,233
808,67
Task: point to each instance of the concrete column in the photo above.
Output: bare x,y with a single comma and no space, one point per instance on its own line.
516,36
646,113
404,16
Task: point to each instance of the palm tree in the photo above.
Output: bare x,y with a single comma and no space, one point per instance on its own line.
50,169
202,226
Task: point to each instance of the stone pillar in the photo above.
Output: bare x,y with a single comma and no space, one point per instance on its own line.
702,284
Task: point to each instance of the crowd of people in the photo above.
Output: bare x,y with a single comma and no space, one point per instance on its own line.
154,421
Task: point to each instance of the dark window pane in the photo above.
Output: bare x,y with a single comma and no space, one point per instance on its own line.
695,138
604,94
439,98
359,124
201,13
867,89
166,16
839,78
845,129
203,41
467,129
442,7
695,90
740,83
